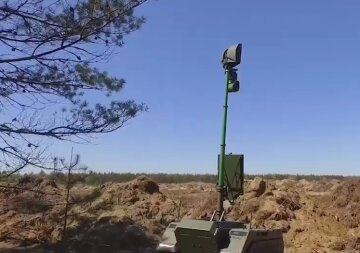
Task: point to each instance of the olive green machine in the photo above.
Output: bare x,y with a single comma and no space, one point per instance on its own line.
216,234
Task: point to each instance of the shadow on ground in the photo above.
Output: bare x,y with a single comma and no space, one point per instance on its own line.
104,236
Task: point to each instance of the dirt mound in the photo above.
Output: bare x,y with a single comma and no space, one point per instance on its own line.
29,196
314,216
32,184
256,187
146,185
139,200
266,206
344,204
347,193
26,214
29,217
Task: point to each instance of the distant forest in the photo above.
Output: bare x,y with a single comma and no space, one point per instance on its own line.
98,178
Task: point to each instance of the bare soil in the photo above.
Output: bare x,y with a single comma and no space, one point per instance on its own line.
316,216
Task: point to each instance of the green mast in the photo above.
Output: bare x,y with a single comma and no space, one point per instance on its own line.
231,58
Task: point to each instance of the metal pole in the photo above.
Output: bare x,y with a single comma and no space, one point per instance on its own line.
220,186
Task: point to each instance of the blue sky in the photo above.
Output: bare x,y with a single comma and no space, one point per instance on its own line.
298,107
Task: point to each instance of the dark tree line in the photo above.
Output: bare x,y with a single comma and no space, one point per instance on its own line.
47,53
98,178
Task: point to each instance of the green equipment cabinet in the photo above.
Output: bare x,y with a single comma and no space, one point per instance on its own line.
234,176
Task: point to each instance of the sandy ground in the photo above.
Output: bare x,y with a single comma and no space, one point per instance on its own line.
321,216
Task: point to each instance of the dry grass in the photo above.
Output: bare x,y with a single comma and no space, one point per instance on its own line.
28,203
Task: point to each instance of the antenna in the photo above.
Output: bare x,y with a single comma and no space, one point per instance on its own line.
231,58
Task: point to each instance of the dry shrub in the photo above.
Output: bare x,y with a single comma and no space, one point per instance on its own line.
28,203
29,179
288,200
146,184
85,195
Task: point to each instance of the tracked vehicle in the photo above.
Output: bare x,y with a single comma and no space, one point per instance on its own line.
216,235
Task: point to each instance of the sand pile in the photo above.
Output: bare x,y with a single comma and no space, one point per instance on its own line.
122,209
264,205
139,200
315,216
344,206
26,216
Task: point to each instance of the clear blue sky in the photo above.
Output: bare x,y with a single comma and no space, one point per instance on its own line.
298,108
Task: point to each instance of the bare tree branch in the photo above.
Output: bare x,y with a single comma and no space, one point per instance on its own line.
49,46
